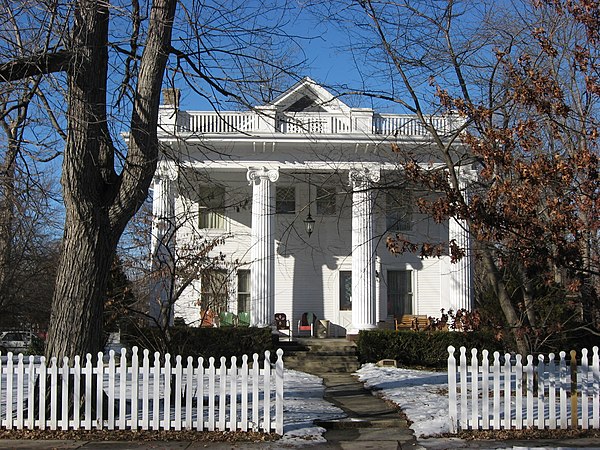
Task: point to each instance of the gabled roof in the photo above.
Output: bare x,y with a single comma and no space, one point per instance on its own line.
306,95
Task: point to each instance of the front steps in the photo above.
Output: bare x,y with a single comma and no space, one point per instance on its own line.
320,356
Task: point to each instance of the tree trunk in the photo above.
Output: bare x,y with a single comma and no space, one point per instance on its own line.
98,201
510,314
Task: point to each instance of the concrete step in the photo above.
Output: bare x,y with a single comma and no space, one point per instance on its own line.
317,365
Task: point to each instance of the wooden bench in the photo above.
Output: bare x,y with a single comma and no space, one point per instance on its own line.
412,322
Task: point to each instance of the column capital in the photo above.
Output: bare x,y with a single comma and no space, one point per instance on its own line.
365,174
256,174
166,170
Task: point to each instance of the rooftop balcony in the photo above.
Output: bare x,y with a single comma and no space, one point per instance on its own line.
267,120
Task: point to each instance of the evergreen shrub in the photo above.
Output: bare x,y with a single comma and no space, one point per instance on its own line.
207,342
421,348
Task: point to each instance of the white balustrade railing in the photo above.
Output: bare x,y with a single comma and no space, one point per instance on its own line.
493,394
210,122
164,394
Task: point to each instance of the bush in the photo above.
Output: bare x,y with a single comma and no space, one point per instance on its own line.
207,342
420,348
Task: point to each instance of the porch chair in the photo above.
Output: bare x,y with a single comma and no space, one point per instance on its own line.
283,325
226,319
244,319
307,323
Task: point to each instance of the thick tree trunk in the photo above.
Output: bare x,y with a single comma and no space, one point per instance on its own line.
98,201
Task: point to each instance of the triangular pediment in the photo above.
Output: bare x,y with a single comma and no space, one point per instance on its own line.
308,96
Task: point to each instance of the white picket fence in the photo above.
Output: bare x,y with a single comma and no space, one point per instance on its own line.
510,394
140,394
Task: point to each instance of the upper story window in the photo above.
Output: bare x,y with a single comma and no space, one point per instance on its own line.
211,203
326,201
398,210
285,199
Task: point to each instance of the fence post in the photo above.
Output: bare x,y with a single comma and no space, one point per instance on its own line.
20,385
551,392
574,415
452,390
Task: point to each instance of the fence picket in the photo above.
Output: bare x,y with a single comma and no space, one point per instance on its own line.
279,392
267,390
518,393
200,396
189,378
156,393
496,381
474,390
233,426
529,373
178,380
170,396
146,390
244,393
596,388
463,389
541,411
9,391
551,392
88,374
53,392
255,392
452,389
507,370
42,392
123,390
211,394
167,392
20,378
76,392
135,394
30,390
563,391
485,390
222,393
584,389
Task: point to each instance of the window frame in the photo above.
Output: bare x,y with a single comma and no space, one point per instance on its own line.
280,202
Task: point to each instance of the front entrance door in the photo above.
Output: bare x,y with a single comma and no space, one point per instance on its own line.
345,299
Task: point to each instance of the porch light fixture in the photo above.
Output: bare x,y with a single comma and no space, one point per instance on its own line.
309,222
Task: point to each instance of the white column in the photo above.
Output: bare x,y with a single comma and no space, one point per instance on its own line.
262,271
460,292
364,301
163,240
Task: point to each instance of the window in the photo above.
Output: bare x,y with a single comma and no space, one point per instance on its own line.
345,290
212,208
285,199
214,290
399,292
243,291
399,210
326,205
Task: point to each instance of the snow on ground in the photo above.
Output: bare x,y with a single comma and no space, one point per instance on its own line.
422,395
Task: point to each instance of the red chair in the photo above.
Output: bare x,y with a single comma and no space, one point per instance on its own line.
307,323
283,325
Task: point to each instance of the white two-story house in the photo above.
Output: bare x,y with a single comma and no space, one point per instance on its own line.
301,195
